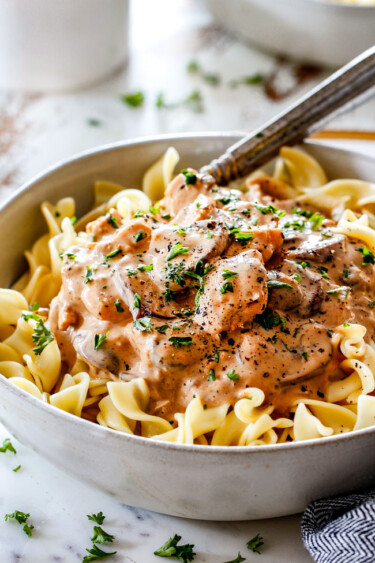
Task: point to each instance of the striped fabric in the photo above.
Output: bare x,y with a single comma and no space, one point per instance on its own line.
341,529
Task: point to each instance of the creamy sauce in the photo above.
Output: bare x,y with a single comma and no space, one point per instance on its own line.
219,291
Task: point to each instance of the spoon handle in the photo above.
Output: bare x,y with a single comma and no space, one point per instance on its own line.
297,122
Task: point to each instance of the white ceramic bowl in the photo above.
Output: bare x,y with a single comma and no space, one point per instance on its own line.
318,31
204,482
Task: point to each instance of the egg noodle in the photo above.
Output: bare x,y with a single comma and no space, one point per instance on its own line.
31,357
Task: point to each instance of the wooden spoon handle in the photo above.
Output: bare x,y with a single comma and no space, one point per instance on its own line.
297,122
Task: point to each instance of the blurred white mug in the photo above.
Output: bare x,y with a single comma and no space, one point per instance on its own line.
55,45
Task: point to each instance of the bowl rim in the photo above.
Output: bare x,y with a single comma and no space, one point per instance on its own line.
341,4
93,427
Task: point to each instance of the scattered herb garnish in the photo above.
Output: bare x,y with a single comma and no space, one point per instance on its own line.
73,220
178,341
304,356
316,220
170,548
98,518
255,543
323,272
167,216
295,225
70,255
137,301
139,236
194,102
101,536
139,213
143,324
344,289
211,375
88,277
368,256
233,376
99,339
162,328
131,273
277,283
297,277
268,320
21,518
154,209
118,306
345,325
113,254
304,265
17,468
209,77
7,447
240,237
228,274
251,80
190,177
227,286
113,221
217,356
346,272
371,304
134,99
145,267
96,553
269,209
41,336
176,250
34,307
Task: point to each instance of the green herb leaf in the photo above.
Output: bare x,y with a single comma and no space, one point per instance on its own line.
167,216
17,468
345,325
134,99
170,548
297,277
176,250
101,536
278,284
73,220
113,254
113,221
145,267
268,319
227,286
21,517
252,80
233,375
190,177
162,328
346,272
137,301
99,340
242,238
217,356
316,220
343,290
192,67
238,559
96,553
98,518
304,356
265,209
88,277
228,274
211,375
255,543
35,306
28,529
139,236
371,304
178,341
139,213
41,336
131,273
118,306
7,447
143,324
70,255
368,256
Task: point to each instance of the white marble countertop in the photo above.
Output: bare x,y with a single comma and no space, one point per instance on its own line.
36,130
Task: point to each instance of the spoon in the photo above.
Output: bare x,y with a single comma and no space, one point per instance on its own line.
298,121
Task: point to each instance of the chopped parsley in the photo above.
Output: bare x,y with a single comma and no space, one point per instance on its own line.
255,543
344,290
137,301
193,102
140,236
297,277
176,250
139,213
171,549
228,274
7,447
227,286
98,518
251,80
113,221
21,518
190,177
178,341
17,468
211,375
304,356
88,277
268,320
134,99
242,238
143,324
101,536
70,255
154,210
167,216
73,220
162,328
131,273
118,306
93,122
41,336
304,265
233,376
176,274
113,254
368,256
145,267
315,218
265,209
323,272
217,356
278,284
345,325
346,272
96,553
99,339
238,559
371,304
34,307
295,225
209,234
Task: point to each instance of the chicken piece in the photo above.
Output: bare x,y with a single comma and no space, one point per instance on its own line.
104,225
266,241
272,187
321,249
179,194
201,208
234,292
134,236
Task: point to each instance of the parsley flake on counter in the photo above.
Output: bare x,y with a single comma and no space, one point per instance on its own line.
176,250
93,122
21,518
211,375
265,209
368,256
7,447
228,274
41,336
98,518
137,301
170,548
145,267
34,307
238,559
277,283
193,102
178,341
139,236
101,536
119,307
251,80
96,553
88,277
255,543
99,339
143,324
16,468
133,99
190,177
233,376
113,221
227,286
